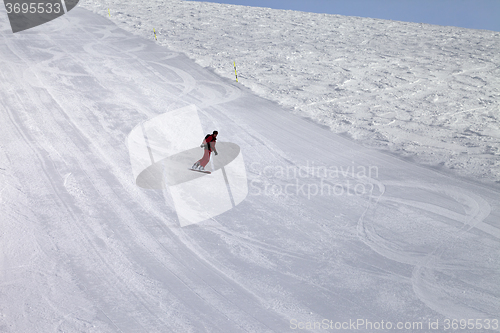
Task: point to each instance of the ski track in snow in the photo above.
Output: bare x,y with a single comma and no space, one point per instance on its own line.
84,249
430,258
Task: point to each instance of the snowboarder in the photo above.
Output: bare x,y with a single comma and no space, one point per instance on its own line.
209,146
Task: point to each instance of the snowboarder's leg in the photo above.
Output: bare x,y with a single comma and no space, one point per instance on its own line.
205,159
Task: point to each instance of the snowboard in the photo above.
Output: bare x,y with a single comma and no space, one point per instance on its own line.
200,171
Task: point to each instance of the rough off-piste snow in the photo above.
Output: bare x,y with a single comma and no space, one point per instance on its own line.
396,221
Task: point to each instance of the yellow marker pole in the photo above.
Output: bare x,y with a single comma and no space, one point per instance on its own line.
155,33
109,13
235,73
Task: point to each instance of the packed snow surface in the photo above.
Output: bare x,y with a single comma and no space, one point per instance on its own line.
331,232
430,93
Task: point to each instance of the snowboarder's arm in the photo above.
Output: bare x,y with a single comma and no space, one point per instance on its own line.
212,146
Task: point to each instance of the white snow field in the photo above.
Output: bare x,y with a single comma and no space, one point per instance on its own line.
426,92
331,233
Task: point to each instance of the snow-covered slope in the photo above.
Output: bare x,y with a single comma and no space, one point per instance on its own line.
83,249
430,93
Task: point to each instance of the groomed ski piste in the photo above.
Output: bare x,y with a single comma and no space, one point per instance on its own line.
333,235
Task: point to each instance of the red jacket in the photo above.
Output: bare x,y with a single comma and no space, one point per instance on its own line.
209,139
